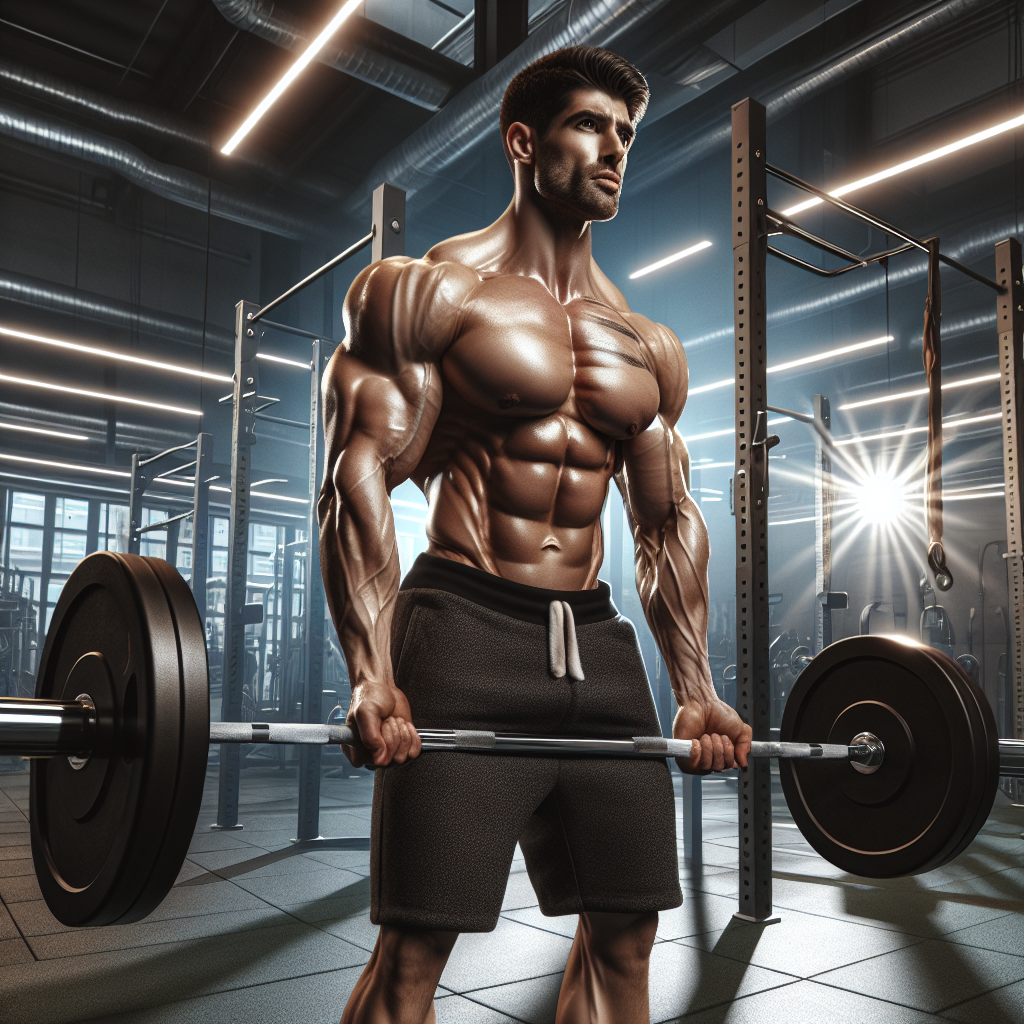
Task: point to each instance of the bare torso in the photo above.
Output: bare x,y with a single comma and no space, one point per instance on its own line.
536,393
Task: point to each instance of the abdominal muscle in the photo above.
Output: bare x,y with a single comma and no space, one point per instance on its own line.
522,502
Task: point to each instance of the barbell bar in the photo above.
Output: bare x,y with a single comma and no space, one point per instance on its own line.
48,728
889,757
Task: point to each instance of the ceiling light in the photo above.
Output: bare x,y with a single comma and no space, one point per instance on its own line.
971,497
65,465
40,430
919,391
714,465
908,165
280,359
789,522
279,497
831,354
100,395
70,485
109,354
291,74
946,425
675,257
731,430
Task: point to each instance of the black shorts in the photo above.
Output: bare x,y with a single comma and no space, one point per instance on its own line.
470,650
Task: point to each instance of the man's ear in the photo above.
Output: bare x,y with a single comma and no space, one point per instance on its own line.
521,140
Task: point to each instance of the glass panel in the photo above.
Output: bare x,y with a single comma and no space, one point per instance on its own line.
68,550
26,548
71,513
27,508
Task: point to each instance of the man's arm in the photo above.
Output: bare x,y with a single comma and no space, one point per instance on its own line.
672,551
382,395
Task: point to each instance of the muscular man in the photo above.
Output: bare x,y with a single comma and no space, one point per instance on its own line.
507,377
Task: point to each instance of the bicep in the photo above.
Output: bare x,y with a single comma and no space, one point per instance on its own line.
655,468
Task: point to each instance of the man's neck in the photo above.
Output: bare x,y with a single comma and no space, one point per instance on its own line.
547,246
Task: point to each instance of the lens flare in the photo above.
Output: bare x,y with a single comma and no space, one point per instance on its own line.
880,500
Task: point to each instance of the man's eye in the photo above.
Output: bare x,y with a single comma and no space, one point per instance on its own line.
588,123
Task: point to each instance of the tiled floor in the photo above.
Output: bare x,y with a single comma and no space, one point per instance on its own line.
254,933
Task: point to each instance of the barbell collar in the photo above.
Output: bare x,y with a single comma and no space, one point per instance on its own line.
1011,758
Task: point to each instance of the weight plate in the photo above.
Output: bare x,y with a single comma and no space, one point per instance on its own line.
98,830
910,815
986,735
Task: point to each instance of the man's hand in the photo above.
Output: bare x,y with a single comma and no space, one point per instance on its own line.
381,717
724,739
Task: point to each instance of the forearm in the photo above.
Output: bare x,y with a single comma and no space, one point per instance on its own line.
359,562
672,582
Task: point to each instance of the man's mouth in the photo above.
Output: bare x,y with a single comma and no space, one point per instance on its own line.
609,178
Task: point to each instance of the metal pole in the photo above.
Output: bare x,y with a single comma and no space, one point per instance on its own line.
201,521
138,487
753,693
1010,318
315,608
243,437
823,496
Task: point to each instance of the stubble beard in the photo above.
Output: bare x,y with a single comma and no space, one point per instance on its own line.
574,189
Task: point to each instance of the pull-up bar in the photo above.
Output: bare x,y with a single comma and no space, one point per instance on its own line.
867,218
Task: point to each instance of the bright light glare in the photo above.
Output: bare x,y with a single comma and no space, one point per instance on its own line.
946,425
919,391
817,358
908,165
291,74
880,500
107,353
65,465
279,359
674,258
100,395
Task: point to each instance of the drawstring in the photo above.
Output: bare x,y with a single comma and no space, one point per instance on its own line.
563,651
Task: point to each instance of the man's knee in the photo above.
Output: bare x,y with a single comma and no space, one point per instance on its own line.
412,956
624,940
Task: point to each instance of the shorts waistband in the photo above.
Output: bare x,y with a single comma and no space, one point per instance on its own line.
517,600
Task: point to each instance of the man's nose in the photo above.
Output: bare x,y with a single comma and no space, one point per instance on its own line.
614,150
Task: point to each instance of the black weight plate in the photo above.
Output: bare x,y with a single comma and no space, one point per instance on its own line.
911,814
986,735
97,830
183,813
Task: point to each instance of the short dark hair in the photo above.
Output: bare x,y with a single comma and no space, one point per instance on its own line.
539,92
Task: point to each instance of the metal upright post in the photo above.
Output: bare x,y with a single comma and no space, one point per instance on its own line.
315,608
137,489
750,495
201,521
388,222
1010,320
243,437
823,498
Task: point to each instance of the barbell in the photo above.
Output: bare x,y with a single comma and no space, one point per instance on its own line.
888,752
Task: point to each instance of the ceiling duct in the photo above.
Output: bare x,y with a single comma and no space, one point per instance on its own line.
139,119
695,139
57,298
173,183
463,122
363,49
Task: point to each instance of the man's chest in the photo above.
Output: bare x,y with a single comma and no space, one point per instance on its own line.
521,353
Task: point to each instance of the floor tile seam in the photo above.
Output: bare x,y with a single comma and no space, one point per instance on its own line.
747,963
901,930
157,920
948,936
516,981
519,1020
978,995
725,1002
817,980
28,945
171,942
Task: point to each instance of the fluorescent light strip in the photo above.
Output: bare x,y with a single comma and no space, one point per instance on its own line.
908,165
674,258
789,522
107,353
291,74
919,391
70,484
40,430
65,465
278,359
947,424
732,430
806,360
971,497
712,465
100,395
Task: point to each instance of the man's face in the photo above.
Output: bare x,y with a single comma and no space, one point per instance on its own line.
581,159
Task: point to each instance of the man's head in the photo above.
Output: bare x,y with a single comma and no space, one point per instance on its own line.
570,118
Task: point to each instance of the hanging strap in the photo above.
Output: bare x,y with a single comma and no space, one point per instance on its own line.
932,355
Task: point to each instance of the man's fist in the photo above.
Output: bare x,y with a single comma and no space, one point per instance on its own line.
382,719
724,739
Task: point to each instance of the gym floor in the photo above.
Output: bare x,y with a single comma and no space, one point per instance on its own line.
252,933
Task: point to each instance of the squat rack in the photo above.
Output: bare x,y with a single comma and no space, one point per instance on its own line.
753,222
387,238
